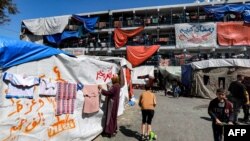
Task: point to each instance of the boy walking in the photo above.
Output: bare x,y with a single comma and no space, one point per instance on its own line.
221,111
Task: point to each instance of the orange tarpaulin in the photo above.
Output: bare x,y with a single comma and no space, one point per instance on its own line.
138,54
233,33
121,36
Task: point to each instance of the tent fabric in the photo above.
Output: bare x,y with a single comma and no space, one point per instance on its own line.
38,39
47,26
142,71
173,72
57,38
121,36
88,22
219,11
233,33
124,64
204,77
213,63
186,75
138,54
15,52
207,81
195,35
38,114
118,60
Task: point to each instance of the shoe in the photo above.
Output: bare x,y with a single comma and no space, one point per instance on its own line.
142,137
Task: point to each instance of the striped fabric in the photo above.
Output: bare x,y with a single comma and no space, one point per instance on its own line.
65,106
66,90
65,98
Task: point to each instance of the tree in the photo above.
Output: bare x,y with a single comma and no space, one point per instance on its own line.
7,7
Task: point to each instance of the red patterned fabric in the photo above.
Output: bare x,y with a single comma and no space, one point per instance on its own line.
138,54
121,36
233,33
65,98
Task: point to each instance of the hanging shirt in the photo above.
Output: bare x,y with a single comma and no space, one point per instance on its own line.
91,99
47,88
20,86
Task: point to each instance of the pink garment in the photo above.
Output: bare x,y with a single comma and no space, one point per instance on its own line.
65,98
66,90
91,99
65,106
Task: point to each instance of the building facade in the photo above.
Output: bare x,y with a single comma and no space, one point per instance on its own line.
160,28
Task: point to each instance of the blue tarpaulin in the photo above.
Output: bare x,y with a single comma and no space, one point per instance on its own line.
186,75
219,11
88,22
15,52
57,38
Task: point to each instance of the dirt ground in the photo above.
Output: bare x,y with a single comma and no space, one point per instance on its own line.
176,119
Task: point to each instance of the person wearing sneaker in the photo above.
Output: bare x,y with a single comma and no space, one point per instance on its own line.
147,102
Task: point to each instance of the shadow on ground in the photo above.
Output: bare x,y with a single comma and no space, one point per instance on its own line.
206,118
130,133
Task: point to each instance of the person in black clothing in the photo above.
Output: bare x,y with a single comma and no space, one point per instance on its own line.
246,106
221,111
238,96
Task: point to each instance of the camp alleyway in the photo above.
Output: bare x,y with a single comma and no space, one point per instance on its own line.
182,119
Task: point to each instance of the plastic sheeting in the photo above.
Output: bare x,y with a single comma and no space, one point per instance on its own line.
36,118
38,39
124,94
15,52
213,63
171,72
47,26
88,22
138,54
233,33
142,71
121,36
57,38
219,11
195,35
204,77
186,75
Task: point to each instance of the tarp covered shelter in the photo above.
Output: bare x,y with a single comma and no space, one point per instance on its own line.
208,75
35,119
15,52
124,64
139,73
219,11
171,72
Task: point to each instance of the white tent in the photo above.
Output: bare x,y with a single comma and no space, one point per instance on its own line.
124,96
34,119
142,71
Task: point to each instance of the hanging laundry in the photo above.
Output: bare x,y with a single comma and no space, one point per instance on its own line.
65,98
20,86
66,90
91,99
65,106
47,88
